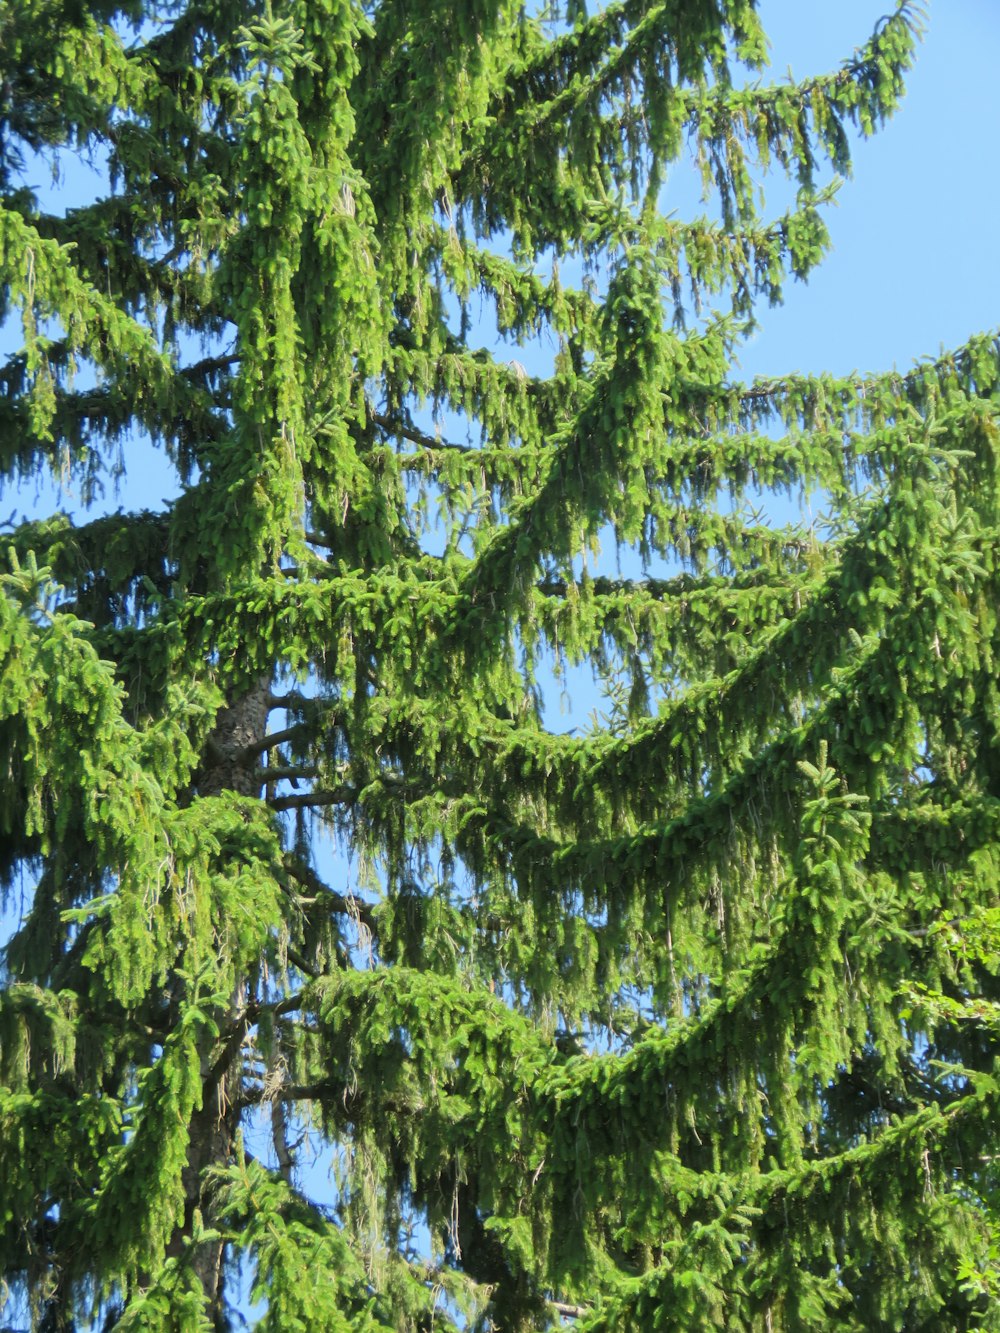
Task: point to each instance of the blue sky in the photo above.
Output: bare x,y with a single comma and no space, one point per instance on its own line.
915,264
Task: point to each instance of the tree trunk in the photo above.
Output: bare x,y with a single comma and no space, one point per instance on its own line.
231,763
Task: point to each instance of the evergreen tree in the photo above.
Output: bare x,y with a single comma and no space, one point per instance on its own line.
686,1021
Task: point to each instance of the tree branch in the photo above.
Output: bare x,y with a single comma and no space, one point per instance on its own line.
570,1311
347,904
416,436
243,1022
297,960
274,738
279,773
314,799
286,1163
210,363
292,700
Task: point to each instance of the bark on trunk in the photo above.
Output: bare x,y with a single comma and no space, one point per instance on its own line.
227,766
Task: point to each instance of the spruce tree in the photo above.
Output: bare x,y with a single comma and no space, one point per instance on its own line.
334,964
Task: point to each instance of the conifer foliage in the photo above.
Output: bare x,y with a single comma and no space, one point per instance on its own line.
335,967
